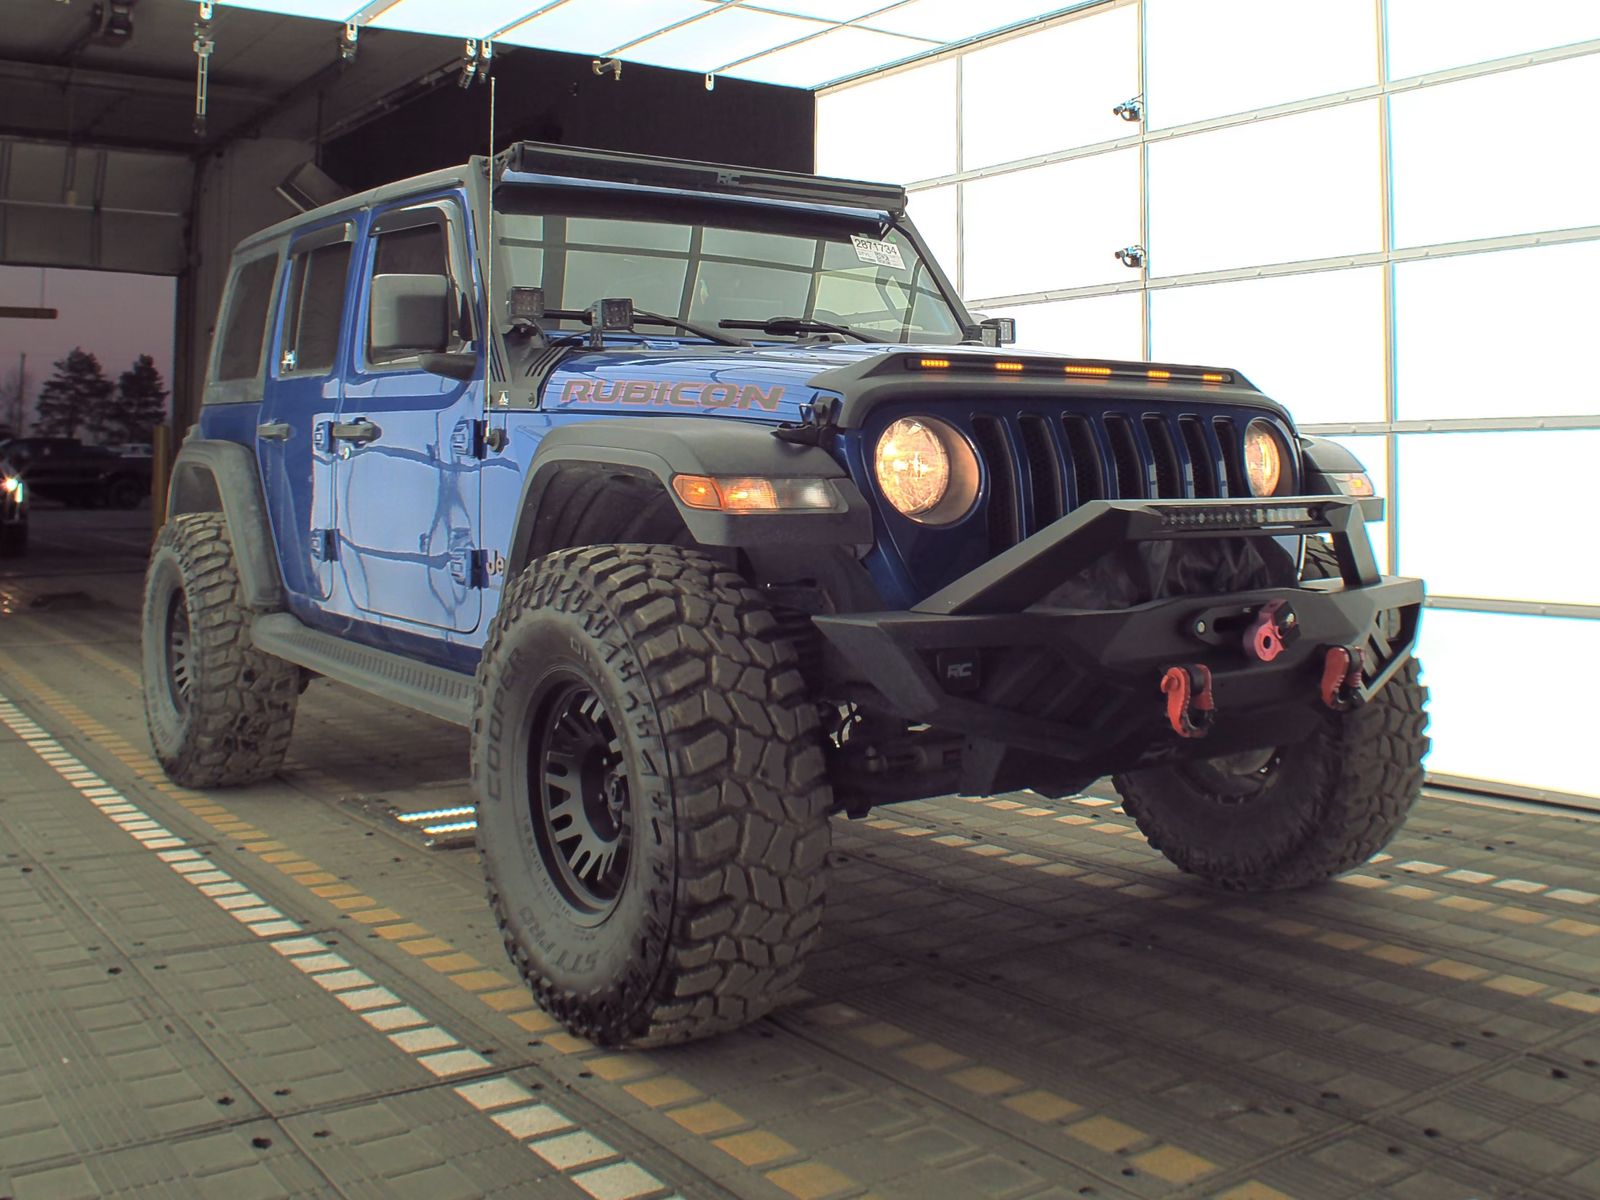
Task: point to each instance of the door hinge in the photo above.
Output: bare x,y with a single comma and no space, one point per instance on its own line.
473,438
322,545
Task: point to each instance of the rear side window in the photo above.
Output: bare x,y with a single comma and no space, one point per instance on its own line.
244,328
315,309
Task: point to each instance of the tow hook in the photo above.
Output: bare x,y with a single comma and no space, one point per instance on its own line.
1273,630
1342,668
1191,710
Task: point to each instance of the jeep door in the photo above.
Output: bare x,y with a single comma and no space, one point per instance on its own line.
299,405
408,469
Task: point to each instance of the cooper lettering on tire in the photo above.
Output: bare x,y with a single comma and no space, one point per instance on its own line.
652,807
219,711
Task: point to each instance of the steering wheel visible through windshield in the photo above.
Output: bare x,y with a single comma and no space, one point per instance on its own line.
708,262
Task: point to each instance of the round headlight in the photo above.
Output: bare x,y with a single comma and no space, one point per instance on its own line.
926,470
1263,458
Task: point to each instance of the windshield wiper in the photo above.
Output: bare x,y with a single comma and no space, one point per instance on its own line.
711,335
793,326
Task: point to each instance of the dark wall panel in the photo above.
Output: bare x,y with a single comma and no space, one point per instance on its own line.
548,97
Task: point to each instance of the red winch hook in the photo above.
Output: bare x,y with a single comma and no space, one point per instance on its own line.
1191,708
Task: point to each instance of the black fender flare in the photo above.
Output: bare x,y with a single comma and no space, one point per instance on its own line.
1322,458
209,475
661,447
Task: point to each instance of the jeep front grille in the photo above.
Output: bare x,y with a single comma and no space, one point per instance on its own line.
1040,468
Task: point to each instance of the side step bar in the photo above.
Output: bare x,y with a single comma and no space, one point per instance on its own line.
433,690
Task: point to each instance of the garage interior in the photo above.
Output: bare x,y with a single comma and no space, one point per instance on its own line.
1382,212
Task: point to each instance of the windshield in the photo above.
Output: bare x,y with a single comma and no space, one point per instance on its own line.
707,262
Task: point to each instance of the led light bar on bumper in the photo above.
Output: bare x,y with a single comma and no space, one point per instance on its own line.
757,494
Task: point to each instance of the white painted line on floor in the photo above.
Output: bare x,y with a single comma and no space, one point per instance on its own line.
546,1131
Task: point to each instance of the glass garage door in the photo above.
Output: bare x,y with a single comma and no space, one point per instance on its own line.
1386,213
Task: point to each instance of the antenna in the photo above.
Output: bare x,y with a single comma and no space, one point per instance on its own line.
489,321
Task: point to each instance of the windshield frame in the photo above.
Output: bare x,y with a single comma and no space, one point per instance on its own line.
698,208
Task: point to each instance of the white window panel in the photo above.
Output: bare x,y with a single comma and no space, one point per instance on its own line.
726,36
1500,515
1528,720
1374,457
1501,154
1312,342
1283,190
1434,35
958,20
1050,227
454,18
1050,90
1206,58
1495,335
933,210
846,51
851,121
600,26
1093,327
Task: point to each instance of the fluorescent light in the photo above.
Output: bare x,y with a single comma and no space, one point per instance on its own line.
848,50
725,36
823,10
455,18
958,20
600,26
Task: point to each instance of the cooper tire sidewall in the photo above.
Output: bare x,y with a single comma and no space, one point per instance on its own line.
621,954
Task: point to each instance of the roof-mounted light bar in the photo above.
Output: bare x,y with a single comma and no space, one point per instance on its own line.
1036,368
649,170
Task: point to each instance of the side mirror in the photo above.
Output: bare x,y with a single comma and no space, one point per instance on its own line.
411,314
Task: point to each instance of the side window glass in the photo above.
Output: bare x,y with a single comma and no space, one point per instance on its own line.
244,327
418,250
315,309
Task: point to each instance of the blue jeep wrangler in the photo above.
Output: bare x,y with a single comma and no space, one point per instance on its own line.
697,494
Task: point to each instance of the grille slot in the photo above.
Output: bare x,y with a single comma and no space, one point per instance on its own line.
1236,484
1200,459
1084,454
1132,481
995,449
1044,470
1169,470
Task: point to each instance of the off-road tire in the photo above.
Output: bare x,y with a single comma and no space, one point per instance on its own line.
14,540
726,799
1324,806
233,726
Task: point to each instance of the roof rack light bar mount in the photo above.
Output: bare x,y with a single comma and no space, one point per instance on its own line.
647,170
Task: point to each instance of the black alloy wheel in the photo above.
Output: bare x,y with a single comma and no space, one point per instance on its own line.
180,663
578,797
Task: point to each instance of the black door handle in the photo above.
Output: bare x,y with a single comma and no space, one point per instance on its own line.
274,431
359,431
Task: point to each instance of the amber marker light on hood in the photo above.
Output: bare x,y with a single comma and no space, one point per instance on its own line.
755,494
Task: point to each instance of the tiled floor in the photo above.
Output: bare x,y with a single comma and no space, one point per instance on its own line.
278,991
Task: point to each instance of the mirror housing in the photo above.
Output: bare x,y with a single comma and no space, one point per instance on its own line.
411,314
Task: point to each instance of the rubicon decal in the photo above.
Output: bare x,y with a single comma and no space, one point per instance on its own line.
658,393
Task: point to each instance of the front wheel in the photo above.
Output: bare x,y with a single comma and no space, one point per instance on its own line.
652,808
1282,818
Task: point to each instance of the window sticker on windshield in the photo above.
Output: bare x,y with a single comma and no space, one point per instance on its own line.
878,254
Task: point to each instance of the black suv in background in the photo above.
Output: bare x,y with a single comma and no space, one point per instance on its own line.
63,468
13,510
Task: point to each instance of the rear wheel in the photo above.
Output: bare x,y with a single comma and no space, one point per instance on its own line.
124,493
1288,816
652,808
219,711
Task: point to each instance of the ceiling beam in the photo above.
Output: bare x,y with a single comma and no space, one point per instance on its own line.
135,85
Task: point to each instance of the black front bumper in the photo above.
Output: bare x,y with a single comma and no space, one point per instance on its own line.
1055,696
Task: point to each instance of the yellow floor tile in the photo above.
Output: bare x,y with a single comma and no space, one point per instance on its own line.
1041,1105
811,1181
707,1119
1173,1165
756,1148
930,1057
985,1081
1105,1134
662,1091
